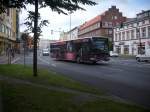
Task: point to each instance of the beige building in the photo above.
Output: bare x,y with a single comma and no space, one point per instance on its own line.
63,36
7,29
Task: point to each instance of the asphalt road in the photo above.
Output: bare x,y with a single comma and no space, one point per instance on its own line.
123,78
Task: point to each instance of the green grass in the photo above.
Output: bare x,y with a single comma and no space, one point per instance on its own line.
25,98
44,77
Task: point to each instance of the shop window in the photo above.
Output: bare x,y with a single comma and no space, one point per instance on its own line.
141,49
118,49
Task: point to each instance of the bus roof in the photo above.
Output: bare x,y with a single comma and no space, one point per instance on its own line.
64,41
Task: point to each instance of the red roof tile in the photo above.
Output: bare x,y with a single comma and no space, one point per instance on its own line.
90,22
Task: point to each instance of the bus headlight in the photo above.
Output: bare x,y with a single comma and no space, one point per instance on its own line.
92,58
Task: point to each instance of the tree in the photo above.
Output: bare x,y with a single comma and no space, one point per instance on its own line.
60,6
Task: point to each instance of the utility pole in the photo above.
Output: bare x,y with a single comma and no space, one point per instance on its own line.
70,23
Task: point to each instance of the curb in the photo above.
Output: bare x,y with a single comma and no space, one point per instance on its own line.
1,107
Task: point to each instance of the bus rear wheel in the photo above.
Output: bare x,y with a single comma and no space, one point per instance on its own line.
78,60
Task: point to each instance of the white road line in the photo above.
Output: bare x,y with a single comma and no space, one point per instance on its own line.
54,65
15,60
44,61
114,69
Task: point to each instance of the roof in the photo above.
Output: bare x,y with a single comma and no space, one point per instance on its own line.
95,19
91,22
64,41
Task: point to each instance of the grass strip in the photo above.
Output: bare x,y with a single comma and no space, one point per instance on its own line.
25,98
44,77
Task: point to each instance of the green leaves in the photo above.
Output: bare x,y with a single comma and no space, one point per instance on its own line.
30,23
60,6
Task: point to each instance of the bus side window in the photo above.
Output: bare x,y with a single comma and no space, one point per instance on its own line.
85,47
69,47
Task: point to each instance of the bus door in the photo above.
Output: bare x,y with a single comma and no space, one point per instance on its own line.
85,49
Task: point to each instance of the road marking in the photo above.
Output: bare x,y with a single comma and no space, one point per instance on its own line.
54,65
15,60
44,61
114,69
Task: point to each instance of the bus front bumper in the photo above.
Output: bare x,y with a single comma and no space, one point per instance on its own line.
99,59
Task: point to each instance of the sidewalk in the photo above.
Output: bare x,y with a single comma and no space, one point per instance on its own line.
4,58
127,57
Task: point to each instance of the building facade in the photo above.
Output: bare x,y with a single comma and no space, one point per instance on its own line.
73,34
63,36
70,35
133,36
102,25
8,29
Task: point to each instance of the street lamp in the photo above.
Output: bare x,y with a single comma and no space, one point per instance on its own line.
70,22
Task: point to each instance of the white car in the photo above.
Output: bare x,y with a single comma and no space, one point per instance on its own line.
113,54
142,57
45,52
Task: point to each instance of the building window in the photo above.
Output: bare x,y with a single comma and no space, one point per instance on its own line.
123,35
132,34
128,36
115,39
119,37
141,48
137,33
7,12
110,31
148,31
0,27
118,49
114,17
144,32
143,22
103,24
110,24
3,29
126,49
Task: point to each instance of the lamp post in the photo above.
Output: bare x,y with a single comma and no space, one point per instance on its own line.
70,23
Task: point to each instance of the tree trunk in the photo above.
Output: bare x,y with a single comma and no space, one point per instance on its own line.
35,40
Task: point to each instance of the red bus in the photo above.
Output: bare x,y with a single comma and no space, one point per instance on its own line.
88,49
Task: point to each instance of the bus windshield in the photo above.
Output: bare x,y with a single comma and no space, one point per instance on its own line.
100,44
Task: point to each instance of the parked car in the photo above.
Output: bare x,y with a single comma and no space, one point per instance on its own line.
113,54
142,57
45,52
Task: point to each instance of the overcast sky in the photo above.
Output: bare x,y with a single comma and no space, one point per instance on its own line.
60,22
